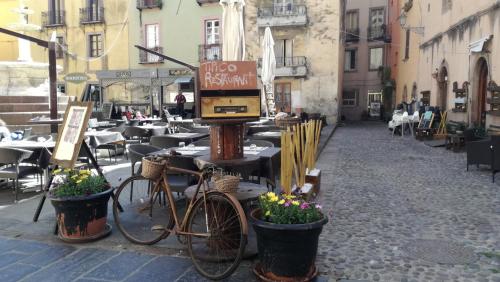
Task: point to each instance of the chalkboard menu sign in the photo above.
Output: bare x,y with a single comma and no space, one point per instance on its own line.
228,89
228,75
106,109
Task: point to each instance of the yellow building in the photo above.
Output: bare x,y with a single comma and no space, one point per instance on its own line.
92,35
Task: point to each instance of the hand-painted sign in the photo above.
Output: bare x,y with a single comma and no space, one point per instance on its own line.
228,75
76,77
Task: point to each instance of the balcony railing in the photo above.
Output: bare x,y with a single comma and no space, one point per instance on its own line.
91,15
201,2
54,18
352,35
378,33
149,4
289,66
210,52
282,15
148,58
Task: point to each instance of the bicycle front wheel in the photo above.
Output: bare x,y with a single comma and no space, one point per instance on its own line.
146,216
218,235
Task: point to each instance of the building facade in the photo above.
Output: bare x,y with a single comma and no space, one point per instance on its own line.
189,32
458,55
91,35
308,49
365,56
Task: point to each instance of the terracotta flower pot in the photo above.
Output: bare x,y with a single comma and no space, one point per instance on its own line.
287,252
82,218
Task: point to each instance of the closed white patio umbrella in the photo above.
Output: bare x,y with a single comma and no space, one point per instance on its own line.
268,68
233,39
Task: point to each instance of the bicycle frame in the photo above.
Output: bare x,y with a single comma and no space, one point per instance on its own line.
162,183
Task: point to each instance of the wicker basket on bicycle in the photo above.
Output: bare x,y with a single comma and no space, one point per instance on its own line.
152,167
226,183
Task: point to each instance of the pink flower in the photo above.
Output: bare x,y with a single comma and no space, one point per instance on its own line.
304,205
287,204
318,206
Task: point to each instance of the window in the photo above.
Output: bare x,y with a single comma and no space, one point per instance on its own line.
414,92
152,41
376,58
407,45
59,47
283,7
349,98
405,94
377,17
55,13
283,49
352,20
282,97
95,45
212,32
350,60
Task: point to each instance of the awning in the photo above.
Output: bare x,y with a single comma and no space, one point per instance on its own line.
477,46
184,79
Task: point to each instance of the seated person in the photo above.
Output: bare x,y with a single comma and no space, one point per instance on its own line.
4,132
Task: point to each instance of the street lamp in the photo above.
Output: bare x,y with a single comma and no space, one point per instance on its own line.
402,22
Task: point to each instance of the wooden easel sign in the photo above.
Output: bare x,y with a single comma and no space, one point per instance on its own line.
71,134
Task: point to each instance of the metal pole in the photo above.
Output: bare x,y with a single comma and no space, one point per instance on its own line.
53,85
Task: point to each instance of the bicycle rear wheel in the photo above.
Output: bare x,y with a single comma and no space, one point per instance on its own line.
146,216
218,235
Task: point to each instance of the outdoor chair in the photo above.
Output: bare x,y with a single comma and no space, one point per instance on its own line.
113,146
133,123
484,152
248,170
181,129
202,142
164,141
137,152
11,159
179,182
135,134
258,143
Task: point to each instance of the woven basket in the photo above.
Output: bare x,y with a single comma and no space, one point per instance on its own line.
226,183
152,168
286,122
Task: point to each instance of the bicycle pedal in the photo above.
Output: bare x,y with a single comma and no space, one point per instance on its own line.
158,228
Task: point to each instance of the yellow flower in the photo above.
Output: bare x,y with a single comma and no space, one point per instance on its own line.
74,177
78,181
274,199
67,170
57,171
295,203
268,213
281,202
271,195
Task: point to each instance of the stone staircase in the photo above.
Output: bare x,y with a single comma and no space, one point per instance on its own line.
16,111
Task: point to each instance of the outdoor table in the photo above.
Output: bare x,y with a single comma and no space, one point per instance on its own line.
28,145
272,136
454,141
262,128
188,136
258,122
45,121
146,120
98,138
154,130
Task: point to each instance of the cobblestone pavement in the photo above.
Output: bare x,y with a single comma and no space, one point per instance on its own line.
402,211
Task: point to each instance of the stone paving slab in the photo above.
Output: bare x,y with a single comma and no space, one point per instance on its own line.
385,196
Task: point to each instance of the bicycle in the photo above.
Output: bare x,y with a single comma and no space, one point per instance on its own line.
214,225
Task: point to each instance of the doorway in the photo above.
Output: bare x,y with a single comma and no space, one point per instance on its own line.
479,115
443,89
282,97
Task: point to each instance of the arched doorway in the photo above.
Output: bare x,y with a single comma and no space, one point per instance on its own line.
443,88
479,109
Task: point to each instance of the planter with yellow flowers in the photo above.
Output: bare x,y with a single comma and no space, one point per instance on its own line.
81,203
288,230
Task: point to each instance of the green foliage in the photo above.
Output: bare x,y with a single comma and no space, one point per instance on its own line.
286,209
74,183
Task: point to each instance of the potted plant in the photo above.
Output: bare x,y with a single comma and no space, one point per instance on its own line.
81,203
288,230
